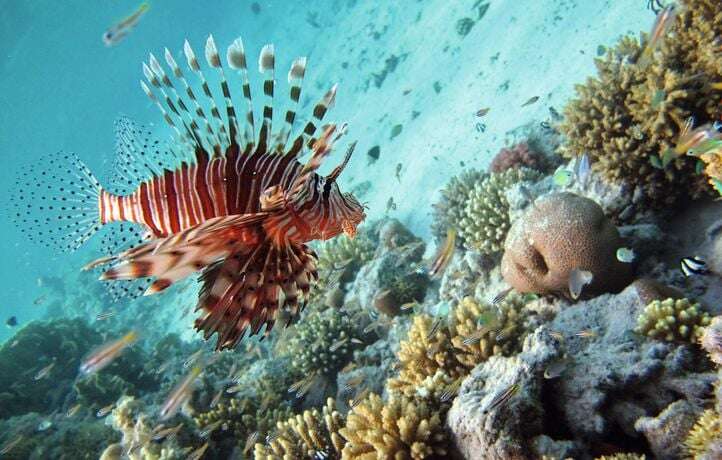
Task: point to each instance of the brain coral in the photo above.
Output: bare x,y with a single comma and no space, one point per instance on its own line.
400,429
673,320
517,156
485,218
630,113
559,233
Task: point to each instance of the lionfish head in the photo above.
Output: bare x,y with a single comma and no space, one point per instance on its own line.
342,211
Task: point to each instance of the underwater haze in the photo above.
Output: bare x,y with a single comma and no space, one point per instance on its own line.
354,229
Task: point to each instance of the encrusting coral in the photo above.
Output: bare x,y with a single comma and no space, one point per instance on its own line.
479,331
322,343
400,428
627,116
519,155
306,436
485,217
673,320
707,429
557,234
449,211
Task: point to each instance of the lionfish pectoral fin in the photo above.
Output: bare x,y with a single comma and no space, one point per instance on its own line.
175,257
245,291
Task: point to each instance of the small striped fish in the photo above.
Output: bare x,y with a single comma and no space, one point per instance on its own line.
224,199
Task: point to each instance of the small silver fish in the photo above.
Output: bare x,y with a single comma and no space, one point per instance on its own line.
626,255
503,397
582,168
434,328
118,31
103,411
44,425
530,101
180,394
338,344
501,296
579,278
44,372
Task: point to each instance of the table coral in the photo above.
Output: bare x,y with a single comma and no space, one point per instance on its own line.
485,218
479,331
630,113
673,320
306,436
400,428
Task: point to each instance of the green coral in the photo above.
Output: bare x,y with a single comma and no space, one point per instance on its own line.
306,436
343,251
400,428
321,343
479,331
673,320
449,211
485,218
627,116
241,417
707,429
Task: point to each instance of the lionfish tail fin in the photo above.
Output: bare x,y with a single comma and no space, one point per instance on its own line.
250,289
175,257
56,202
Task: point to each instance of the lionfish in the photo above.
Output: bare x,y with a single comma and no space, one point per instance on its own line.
224,199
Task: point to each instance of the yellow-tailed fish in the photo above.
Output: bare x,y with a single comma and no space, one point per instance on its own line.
44,372
103,411
691,139
578,279
160,432
409,305
502,398
662,24
118,31
73,410
558,336
445,254
105,355
180,394
198,453
10,445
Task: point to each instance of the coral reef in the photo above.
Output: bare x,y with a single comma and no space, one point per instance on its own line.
479,331
673,319
322,343
345,253
559,233
485,218
711,340
630,113
306,436
399,428
449,211
667,431
519,155
58,344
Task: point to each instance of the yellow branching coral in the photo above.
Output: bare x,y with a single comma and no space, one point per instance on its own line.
627,116
485,218
707,429
424,352
310,435
402,428
479,331
673,320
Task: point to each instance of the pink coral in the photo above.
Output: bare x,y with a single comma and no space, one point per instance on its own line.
517,156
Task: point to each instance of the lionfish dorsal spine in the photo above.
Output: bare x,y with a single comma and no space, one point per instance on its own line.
295,82
319,112
236,57
266,65
214,60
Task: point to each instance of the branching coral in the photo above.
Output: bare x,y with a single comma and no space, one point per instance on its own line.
630,113
423,354
673,320
479,331
707,429
240,417
517,156
485,218
449,211
401,428
343,251
310,436
321,343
